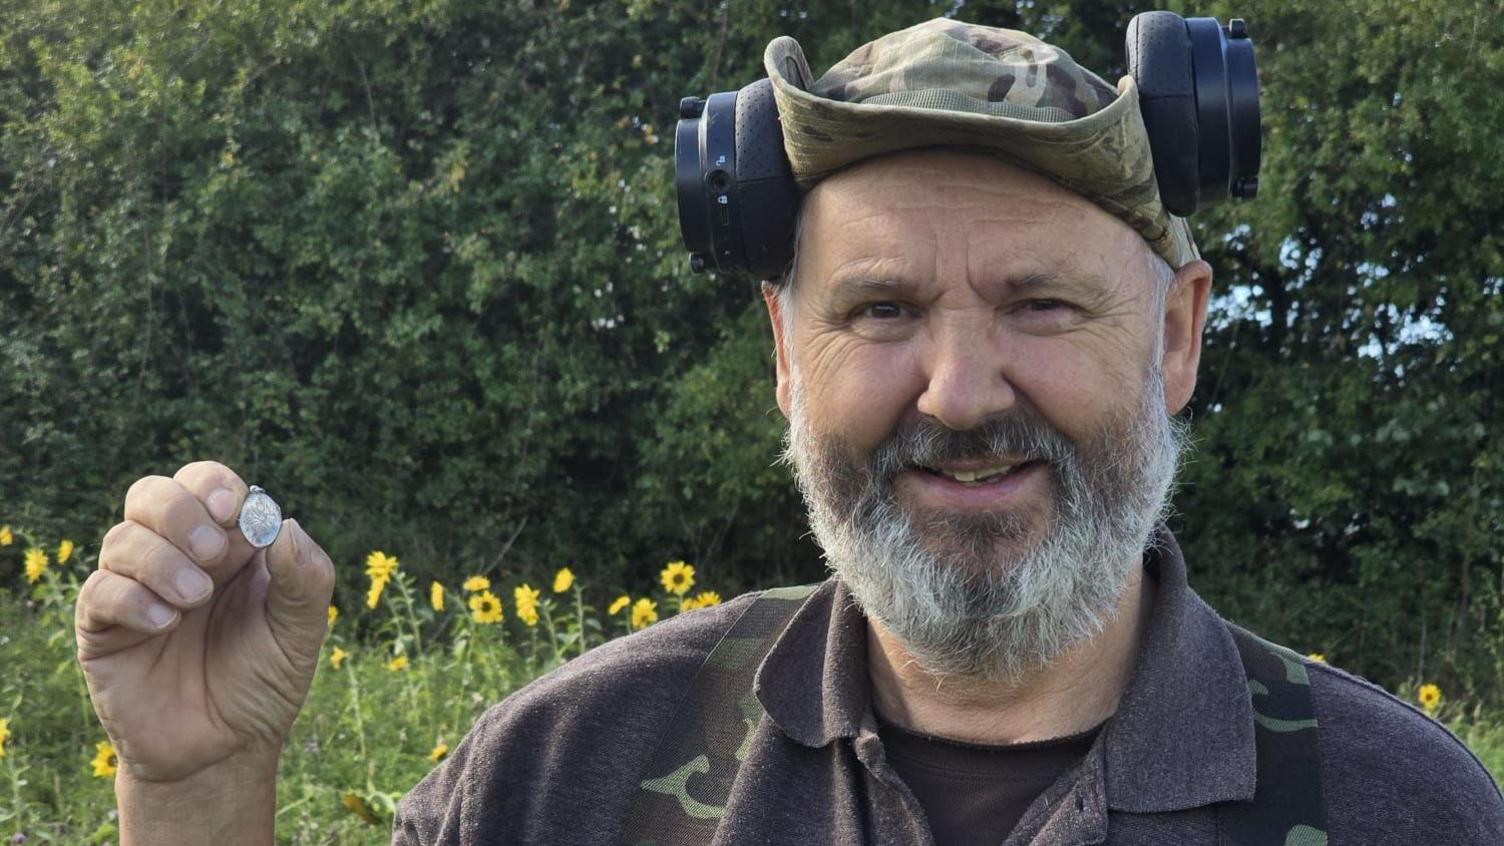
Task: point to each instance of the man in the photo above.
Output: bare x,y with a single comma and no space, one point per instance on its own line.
981,368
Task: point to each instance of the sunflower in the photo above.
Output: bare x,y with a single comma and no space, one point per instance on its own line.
333,612
1318,657
337,657
677,577
398,663
527,603
36,562
485,607
619,603
644,613
563,579
438,753
4,734
104,759
379,565
476,583
1429,696
707,598
357,805
6,539
688,603
373,595
436,596
64,550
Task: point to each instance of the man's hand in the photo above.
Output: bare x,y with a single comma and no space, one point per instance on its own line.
198,648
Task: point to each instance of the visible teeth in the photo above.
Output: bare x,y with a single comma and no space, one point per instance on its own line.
977,475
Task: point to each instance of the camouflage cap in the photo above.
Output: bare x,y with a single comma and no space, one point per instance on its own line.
953,84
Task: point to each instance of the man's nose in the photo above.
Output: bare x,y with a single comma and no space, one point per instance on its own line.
967,381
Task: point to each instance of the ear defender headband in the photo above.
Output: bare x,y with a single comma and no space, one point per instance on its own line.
1198,96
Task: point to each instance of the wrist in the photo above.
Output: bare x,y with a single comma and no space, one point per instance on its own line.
232,803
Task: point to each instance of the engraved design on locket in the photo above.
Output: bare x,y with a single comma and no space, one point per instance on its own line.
260,518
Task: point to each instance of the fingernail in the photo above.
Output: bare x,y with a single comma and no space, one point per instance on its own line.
220,503
160,615
191,584
206,541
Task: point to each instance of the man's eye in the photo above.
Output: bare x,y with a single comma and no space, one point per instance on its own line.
882,311
1044,305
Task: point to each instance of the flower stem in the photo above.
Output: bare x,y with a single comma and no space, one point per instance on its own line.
579,615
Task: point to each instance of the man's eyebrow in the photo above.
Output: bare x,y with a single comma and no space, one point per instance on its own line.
865,284
1035,279
858,284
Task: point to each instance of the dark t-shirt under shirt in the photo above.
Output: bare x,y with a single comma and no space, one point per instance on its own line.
973,795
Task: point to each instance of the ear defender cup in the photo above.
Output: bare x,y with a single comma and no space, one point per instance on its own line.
1159,60
765,188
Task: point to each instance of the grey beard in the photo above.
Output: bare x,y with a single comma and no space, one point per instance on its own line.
960,605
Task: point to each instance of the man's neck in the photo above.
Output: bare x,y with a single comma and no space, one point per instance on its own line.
1073,693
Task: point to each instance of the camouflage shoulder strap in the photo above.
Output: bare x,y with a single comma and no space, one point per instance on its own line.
1287,807
683,795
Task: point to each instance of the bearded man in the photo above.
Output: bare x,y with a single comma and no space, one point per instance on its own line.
981,351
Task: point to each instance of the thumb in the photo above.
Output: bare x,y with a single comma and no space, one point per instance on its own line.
302,582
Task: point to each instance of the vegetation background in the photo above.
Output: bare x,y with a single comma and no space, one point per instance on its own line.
415,268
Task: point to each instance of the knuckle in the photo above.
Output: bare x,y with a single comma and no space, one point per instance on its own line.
143,487
208,475
115,538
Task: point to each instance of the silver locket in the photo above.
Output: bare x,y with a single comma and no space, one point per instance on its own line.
260,518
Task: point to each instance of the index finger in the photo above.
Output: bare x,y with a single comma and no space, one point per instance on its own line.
218,487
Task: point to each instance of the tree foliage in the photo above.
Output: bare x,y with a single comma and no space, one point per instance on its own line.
414,267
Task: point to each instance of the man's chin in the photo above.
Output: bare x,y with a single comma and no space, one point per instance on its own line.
980,544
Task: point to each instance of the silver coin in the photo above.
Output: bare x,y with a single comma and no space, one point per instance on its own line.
260,518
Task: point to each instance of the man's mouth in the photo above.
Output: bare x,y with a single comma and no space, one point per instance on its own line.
978,475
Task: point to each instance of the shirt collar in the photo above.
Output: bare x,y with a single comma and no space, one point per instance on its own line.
1182,736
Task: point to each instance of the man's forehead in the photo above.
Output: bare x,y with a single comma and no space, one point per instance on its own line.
901,209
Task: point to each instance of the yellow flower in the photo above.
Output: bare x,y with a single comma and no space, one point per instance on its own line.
64,550
1317,657
104,759
707,598
688,604
36,562
644,613
678,577
357,806
337,657
436,596
485,607
333,612
398,663
562,580
1429,697
373,596
438,753
379,565
527,603
476,583
619,603
4,734
5,536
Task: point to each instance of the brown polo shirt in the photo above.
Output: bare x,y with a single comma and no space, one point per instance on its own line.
558,761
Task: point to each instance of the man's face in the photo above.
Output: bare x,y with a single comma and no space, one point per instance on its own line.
978,391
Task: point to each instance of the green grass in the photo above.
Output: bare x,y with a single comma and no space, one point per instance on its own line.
366,733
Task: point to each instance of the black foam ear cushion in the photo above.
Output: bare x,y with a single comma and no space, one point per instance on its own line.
765,187
1159,60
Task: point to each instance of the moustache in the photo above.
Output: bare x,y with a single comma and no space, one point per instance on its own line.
1018,436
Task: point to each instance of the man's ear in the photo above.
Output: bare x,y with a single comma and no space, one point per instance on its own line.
770,296
1184,318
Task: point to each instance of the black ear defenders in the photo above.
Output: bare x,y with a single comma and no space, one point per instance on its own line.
1198,94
